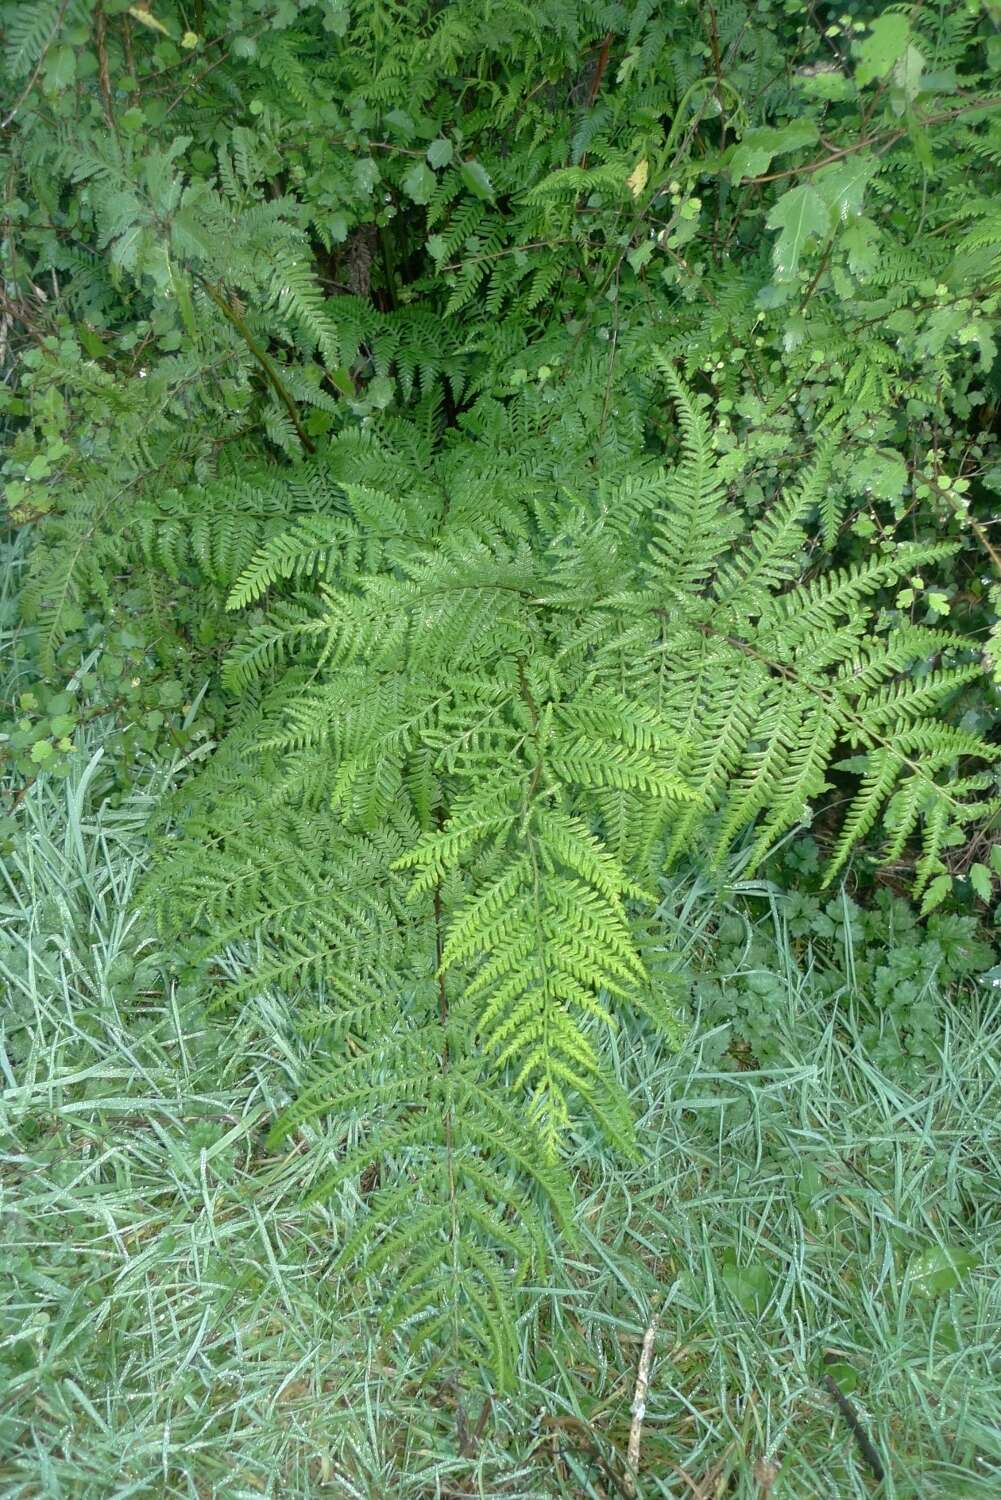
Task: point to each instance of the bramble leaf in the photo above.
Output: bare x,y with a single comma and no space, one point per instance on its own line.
887,40
801,215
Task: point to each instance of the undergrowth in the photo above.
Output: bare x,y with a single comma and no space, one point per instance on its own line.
492,473
171,1326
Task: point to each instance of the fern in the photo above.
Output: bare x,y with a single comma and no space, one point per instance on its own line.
28,29
497,710
420,377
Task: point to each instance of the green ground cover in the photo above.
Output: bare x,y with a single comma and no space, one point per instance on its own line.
500,661
171,1326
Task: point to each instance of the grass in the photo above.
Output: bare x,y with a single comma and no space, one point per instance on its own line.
169,1325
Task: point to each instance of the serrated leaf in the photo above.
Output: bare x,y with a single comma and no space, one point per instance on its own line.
880,472
340,376
476,178
419,183
921,141
843,1375
936,893
753,155
440,152
886,41
842,187
639,257
859,242
980,879
182,292
751,1286
95,347
366,174
60,68
637,179
907,74
337,18
800,215
380,391
401,123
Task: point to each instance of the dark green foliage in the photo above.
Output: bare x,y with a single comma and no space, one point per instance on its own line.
881,968
563,440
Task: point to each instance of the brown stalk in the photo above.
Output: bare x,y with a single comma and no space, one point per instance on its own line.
103,70
599,71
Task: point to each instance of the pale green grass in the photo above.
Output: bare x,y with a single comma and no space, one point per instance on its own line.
169,1324
780,1216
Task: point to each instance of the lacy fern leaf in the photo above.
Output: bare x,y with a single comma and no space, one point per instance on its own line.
489,711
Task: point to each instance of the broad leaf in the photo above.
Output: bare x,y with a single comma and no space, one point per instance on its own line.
440,152
885,43
907,75
800,215
860,243
477,180
842,187
754,153
419,183
939,1269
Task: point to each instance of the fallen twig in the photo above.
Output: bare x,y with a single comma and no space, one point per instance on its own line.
847,1410
639,1407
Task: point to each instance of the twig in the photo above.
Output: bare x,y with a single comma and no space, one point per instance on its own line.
587,1441
866,1448
881,143
964,517
717,67
193,83
825,261
708,1487
639,1408
130,62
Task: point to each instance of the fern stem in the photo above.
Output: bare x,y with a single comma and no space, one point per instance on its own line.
439,953
832,700
387,266
278,385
